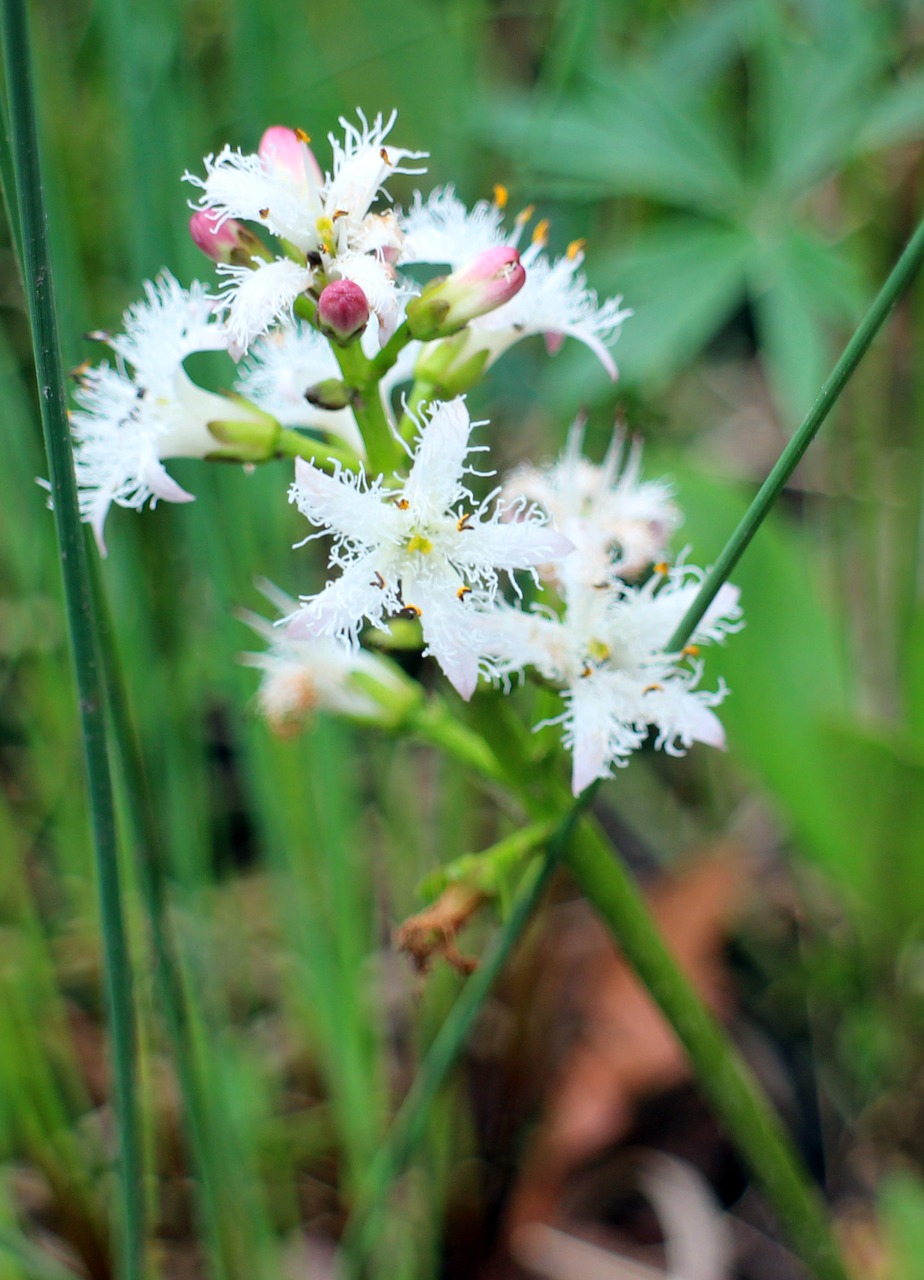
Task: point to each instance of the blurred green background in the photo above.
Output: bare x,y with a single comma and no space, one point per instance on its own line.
745,174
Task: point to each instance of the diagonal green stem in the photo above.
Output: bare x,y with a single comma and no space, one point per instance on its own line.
724,1078
899,278
78,599
408,1126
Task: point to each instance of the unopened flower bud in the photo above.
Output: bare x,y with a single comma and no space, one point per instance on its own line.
343,311
332,393
286,152
445,306
229,241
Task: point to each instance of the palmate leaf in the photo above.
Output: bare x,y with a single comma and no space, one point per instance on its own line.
809,102
633,136
683,279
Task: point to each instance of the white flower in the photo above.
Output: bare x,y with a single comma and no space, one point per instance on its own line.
301,677
619,523
281,367
607,655
255,298
324,218
424,546
555,300
129,420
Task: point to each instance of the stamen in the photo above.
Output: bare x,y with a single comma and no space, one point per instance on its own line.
525,214
81,370
541,232
264,214
385,156
690,651
574,248
402,504
463,524
652,688
463,592
97,335
501,195
662,567
414,610
302,136
378,581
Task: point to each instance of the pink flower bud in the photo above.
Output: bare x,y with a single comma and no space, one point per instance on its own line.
286,151
228,241
484,284
343,311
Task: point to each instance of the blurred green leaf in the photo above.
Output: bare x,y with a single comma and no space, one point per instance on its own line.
901,1205
793,337
683,279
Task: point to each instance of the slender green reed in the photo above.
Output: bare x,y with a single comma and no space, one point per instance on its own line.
81,622
897,282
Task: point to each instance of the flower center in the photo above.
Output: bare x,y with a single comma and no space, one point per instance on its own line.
420,542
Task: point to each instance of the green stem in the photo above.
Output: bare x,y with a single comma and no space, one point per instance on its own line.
899,279
387,358
408,1126
152,862
724,1078
81,622
294,444
382,449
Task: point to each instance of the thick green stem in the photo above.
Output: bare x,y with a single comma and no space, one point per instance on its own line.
899,279
81,622
736,1097
382,449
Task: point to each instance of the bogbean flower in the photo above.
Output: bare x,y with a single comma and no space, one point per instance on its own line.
606,654
555,299
302,677
619,523
422,546
323,221
145,408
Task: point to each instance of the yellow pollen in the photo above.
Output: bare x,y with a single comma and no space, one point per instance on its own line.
463,592
651,688
420,543
525,214
463,524
402,504
662,567
501,195
302,136
588,671
574,248
415,609
326,231
339,213
385,156
690,651
541,232
78,372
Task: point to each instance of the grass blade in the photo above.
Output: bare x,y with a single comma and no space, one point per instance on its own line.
81,622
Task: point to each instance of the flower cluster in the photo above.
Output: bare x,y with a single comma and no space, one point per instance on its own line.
320,315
